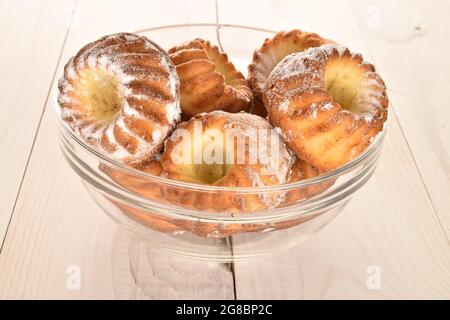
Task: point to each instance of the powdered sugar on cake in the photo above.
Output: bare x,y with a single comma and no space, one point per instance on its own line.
304,72
104,55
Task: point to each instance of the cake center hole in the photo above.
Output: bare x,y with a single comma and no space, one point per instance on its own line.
213,166
211,173
343,81
102,97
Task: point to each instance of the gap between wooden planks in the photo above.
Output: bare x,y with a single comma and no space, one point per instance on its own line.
33,34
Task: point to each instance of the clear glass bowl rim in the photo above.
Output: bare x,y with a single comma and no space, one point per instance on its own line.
334,174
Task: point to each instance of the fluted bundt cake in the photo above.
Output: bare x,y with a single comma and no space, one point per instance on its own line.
209,81
270,54
121,95
328,102
228,150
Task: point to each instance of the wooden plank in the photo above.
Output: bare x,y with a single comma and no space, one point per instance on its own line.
416,69
389,226
57,231
31,45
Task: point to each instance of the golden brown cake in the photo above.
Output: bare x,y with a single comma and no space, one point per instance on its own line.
147,188
209,81
243,157
270,54
150,189
140,185
329,104
301,170
120,94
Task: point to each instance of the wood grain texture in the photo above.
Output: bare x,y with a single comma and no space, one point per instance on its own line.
57,227
26,67
415,66
390,223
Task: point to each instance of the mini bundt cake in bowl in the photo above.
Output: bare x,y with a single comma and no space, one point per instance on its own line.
272,51
329,103
165,143
121,95
209,81
226,143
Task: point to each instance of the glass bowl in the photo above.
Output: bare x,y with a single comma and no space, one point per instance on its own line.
161,212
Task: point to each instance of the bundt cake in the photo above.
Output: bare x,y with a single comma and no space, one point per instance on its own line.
209,81
228,150
328,102
270,54
121,95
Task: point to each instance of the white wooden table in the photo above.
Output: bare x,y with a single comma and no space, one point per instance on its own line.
396,228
